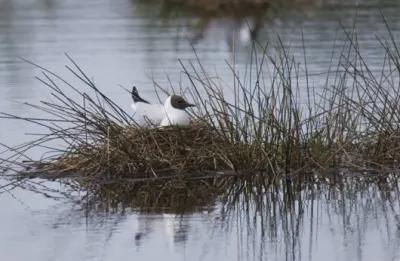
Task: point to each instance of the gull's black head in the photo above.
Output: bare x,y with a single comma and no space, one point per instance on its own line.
178,102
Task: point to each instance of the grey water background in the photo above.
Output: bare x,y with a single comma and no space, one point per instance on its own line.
132,42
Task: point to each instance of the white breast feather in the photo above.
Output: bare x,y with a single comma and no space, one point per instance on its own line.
175,117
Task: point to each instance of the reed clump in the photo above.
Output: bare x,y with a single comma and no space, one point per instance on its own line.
269,120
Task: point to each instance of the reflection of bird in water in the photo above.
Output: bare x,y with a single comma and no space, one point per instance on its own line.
145,226
176,229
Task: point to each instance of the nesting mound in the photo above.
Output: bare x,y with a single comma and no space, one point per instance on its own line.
142,153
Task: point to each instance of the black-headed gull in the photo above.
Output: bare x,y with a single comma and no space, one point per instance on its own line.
173,112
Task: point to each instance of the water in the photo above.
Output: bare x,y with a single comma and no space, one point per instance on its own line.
131,42
336,221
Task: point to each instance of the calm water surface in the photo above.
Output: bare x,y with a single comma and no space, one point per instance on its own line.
132,42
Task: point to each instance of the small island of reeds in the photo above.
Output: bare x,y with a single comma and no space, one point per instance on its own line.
270,121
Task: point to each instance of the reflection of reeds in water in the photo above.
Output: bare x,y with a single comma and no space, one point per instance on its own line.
155,196
263,217
284,220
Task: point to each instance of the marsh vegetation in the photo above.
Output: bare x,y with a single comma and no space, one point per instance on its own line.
292,154
272,120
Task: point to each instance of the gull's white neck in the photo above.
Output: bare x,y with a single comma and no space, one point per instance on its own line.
174,116
168,104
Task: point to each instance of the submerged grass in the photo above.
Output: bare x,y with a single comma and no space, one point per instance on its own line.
270,120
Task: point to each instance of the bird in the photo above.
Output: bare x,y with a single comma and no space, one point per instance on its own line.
172,112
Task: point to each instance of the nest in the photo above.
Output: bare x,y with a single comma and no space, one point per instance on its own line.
146,153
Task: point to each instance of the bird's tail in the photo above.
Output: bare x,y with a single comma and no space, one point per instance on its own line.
136,97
